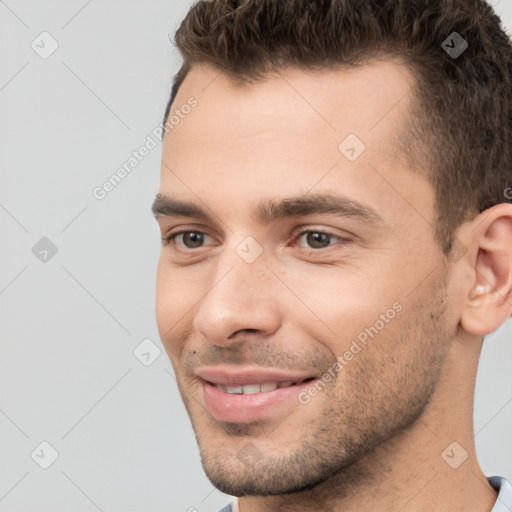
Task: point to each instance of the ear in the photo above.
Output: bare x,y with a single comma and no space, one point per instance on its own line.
488,303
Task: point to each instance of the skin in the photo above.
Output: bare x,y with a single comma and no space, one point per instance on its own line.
395,407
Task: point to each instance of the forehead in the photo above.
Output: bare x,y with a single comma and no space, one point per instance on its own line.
358,98
370,101
287,132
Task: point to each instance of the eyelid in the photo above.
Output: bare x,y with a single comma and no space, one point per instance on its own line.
170,238
328,233
327,230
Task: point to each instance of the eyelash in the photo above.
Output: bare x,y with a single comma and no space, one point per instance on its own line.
170,239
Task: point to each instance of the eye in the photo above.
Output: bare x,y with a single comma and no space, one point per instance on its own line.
187,239
317,239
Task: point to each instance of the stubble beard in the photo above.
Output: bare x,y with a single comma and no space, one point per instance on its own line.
375,399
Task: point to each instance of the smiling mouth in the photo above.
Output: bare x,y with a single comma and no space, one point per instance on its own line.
264,387
245,394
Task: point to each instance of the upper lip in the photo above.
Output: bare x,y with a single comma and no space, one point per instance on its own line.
225,376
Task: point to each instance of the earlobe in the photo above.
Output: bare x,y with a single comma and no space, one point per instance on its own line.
489,301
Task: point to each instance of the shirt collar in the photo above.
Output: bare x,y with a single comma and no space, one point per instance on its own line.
500,484
504,501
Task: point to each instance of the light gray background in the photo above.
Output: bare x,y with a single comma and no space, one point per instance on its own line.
68,375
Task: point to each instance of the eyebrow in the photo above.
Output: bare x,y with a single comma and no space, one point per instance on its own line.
272,210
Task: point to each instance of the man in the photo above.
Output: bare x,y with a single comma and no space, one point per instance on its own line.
337,241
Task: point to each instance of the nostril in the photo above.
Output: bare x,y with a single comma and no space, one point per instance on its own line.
242,331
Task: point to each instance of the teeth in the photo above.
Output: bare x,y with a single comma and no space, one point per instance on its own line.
233,389
268,386
250,389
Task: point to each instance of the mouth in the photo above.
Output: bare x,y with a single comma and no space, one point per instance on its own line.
246,395
264,387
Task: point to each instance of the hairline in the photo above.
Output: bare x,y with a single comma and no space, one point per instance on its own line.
408,140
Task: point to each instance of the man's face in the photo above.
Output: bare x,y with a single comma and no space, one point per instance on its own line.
305,313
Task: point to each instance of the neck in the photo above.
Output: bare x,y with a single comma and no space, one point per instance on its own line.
413,471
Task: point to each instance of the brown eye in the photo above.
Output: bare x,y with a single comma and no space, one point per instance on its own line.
317,239
192,239
186,239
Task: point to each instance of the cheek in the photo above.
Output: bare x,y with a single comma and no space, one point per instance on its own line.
344,305
163,291
170,303
178,297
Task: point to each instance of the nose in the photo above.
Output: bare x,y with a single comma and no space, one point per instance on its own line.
242,298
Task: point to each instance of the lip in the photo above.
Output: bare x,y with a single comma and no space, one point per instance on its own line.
226,376
240,408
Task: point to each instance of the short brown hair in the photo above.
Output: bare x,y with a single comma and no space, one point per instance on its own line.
460,124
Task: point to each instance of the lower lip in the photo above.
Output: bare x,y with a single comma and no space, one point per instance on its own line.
242,408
